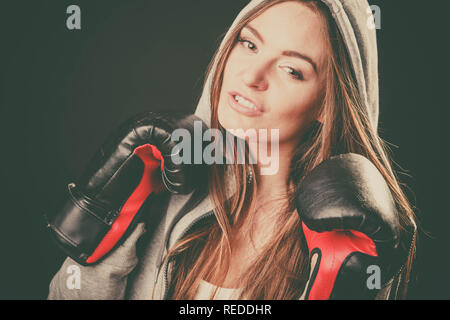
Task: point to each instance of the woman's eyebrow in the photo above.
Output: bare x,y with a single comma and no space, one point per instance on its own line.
255,33
288,53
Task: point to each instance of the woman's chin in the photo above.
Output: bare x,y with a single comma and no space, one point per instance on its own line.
235,122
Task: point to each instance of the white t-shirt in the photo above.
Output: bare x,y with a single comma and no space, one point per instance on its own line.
206,289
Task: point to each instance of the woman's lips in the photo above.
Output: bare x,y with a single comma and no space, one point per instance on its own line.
245,110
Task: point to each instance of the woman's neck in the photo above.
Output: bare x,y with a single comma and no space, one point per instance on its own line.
271,198
274,185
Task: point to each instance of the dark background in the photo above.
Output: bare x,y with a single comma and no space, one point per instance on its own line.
62,91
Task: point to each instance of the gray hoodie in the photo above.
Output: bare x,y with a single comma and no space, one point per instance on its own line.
122,275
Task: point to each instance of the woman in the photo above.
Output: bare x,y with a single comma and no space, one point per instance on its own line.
307,69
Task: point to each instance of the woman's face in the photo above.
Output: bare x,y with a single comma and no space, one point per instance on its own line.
275,71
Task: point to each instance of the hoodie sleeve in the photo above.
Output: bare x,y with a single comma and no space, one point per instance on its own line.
106,280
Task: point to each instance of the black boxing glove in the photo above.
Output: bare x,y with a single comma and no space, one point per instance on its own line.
133,164
350,222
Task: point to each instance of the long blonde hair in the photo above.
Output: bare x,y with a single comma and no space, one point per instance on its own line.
281,270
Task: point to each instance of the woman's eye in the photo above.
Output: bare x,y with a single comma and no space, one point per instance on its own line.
294,73
248,44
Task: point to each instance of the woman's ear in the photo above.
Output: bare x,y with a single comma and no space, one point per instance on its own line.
319,114
320,117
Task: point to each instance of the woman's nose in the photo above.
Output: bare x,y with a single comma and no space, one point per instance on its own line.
254,76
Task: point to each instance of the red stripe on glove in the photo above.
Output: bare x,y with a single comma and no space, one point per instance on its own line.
335,246
150,182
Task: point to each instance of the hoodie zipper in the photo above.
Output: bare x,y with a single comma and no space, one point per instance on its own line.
166,267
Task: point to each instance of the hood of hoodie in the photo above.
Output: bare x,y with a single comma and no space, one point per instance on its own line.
352,17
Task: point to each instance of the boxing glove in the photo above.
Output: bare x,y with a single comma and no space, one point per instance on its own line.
132,167
351,226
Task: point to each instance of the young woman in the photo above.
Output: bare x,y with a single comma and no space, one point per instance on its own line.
307,69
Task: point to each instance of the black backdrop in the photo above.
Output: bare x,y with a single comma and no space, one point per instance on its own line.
62,91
